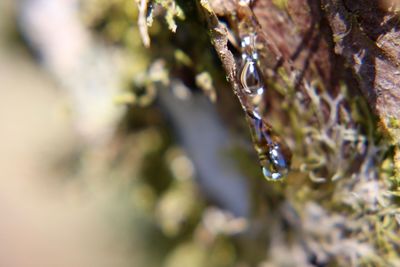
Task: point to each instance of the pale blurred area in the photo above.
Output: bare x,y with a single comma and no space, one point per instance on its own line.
72,192
53,216
47,219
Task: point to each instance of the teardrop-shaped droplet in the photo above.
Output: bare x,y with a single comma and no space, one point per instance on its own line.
274,155
276,165
251,78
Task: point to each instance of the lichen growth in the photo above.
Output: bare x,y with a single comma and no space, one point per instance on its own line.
172,11
338,145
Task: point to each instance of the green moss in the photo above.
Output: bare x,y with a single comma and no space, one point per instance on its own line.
394,123
282,4
172,11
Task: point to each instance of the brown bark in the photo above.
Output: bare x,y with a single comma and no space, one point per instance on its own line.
367,36
323,40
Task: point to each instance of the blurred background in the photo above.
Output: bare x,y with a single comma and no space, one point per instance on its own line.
93,172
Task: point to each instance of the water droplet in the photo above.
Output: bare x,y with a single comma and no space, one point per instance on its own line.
273,153
251,78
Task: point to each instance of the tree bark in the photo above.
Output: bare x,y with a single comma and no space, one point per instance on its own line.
331,42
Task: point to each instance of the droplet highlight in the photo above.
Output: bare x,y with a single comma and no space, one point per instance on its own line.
251,78
273,153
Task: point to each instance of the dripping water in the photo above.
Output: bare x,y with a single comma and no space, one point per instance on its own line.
273,153
250,79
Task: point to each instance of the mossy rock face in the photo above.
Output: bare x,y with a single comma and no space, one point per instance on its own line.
339,205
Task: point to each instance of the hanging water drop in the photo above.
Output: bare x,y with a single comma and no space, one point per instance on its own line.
251,78
273,153
276,166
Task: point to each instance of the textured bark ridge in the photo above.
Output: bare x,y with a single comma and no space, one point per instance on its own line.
309,34
367,35
329,43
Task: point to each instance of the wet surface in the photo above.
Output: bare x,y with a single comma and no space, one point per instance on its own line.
273,153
